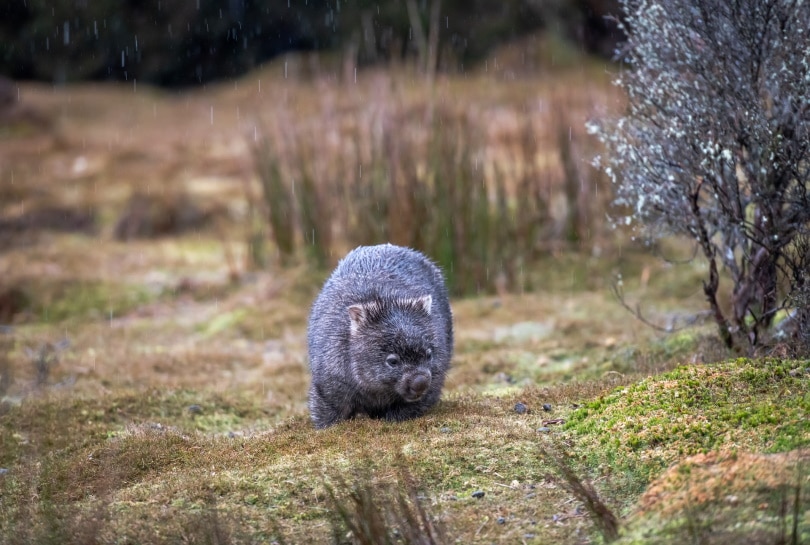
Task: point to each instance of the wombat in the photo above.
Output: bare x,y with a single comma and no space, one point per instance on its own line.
380,337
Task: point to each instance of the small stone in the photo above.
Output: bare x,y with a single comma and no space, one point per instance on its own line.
3,470
478,494
543,430
445,429
521,408
195,409
500,520
547,407
528,536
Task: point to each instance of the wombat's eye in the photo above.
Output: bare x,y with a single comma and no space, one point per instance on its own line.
392,360
429,353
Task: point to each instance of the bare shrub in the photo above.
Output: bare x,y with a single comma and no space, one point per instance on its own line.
797,262
715,145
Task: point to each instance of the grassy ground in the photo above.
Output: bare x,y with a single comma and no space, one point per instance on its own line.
176,410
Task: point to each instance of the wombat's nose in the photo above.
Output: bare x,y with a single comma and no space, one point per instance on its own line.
420,384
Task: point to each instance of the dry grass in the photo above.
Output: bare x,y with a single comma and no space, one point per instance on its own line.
483,188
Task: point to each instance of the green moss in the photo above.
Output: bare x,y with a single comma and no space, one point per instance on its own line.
221,322
756,405
85,300
680,342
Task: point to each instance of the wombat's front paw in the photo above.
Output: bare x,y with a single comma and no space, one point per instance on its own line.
323,415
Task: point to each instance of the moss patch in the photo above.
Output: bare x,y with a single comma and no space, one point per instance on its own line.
727,497
634,432
85,300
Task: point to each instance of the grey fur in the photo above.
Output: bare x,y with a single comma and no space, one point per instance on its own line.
380,337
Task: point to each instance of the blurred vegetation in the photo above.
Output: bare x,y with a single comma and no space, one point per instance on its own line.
178,43
420,177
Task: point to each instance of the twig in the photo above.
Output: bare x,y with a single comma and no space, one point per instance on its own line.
618,293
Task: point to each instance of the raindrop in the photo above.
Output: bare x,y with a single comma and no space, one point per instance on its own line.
122,58
95,29
136,42
134,85
66,33
212,115
285,72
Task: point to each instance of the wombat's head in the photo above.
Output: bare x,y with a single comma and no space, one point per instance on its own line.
391,346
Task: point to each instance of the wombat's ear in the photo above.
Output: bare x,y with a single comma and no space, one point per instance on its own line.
357,317
425,303
361,314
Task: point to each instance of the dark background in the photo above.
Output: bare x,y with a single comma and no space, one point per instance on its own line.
176,43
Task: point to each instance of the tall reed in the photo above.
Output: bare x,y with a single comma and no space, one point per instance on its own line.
429,175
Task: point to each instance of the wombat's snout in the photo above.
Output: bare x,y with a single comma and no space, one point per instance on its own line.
417,387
